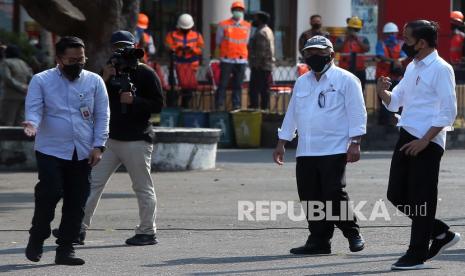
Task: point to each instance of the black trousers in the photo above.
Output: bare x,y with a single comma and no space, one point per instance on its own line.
259,87
322,178
58,178
172,98
362,76
413,189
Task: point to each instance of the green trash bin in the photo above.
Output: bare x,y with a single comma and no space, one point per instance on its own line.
247,128
222,120
169,117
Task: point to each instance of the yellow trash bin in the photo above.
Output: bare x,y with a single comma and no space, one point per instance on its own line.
247,128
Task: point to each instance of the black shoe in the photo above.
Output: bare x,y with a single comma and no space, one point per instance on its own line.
79,241
407,262
356,243
312,248
142,239
67,256
439,245
34,250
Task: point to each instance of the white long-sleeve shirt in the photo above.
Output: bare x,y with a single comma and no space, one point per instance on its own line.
53,105
325,130
427,95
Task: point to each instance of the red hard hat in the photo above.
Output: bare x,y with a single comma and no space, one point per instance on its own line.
143,21
456,15
238,5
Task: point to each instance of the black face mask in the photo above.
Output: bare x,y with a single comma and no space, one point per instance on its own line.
255,23
72,71
317,63
409,50
316,26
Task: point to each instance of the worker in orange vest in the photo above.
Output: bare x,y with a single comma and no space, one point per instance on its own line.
457,45
232,37
143,37
389,57
351,49
186,46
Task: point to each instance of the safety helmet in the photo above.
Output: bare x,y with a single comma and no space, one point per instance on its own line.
457,16
390,28
185,21
143,21
354,22
238,5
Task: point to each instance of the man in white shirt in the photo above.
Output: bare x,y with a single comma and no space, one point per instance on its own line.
67,111
328,111
427,95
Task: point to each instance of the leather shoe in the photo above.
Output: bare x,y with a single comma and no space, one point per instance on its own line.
356,243
65,255
312,247
34,249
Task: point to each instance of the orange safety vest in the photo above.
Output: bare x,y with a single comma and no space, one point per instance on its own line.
352,46
235,39
456,47
192,39
144,44
383,68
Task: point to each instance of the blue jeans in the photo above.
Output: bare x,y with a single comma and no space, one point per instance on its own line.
238,71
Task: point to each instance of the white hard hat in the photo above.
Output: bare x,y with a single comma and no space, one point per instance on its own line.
185,21
390,28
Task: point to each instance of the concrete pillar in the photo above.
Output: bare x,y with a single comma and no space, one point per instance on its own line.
333,12
305,9
213,12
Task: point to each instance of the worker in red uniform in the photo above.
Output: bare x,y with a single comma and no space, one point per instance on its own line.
457,45
352,48
186,46
143,38
389,58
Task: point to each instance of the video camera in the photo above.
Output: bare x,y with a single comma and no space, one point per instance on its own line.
127,58
124,60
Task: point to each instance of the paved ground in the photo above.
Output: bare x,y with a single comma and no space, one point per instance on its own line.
200,234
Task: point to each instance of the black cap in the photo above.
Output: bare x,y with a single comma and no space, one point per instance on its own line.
263,16
123,36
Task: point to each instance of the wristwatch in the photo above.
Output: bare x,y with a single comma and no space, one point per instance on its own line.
101,148
355,142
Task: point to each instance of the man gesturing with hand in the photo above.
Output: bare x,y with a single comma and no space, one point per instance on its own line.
427,95
67,110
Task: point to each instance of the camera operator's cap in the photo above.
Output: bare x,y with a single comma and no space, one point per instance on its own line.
319,42
123,37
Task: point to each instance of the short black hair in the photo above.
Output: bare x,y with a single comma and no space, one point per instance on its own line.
426,30
264,17
12,51
314,16
67,42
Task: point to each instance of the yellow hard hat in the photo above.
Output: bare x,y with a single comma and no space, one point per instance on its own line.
354,22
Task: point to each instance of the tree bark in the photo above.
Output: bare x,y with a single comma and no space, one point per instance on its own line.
92,20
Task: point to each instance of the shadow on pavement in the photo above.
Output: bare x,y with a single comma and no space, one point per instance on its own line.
19,267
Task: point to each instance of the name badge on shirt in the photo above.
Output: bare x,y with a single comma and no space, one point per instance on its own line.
85,112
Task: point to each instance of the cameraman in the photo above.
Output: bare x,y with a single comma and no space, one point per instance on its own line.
130,140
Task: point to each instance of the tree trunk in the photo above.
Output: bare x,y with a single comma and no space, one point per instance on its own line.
92,20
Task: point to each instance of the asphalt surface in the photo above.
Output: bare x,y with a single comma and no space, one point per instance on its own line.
199,232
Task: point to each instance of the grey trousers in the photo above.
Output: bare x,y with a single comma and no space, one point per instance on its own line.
136,157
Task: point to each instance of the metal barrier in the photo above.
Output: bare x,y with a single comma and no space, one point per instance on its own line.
284,77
